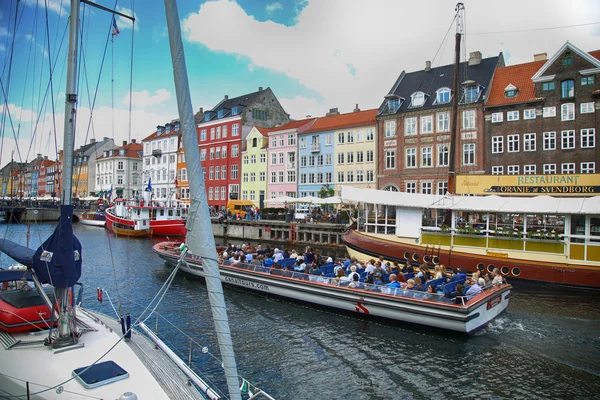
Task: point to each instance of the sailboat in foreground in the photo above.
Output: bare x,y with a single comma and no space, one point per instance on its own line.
72,352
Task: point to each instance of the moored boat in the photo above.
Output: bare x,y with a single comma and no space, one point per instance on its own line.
428,309
136,231
93,218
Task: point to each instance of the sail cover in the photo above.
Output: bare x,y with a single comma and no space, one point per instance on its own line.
58,260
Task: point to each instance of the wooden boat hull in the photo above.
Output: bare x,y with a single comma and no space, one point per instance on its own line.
469,318
175,227
364,246
131,232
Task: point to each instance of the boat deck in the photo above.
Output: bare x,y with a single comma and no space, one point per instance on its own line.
174,382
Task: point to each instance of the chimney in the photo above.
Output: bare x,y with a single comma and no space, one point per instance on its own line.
45,157
474,58
124,143
540,57
92,141
226,97
39,155
133,141
308,116
356,109
201,110
332,111
260,89
427,65
105,139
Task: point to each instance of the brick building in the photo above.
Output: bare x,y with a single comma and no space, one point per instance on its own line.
414,121
542,117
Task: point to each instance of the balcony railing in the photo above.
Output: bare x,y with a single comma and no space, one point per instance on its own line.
315,146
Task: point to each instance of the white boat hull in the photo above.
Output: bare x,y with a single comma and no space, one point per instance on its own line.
92,222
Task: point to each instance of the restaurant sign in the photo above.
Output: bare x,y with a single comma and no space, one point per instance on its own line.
529,185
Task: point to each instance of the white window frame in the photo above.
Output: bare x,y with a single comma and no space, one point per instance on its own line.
567,168
529,113
443,155
426,124
549,112
468,150
512,115
549,169
443,122
569,136
587,138
550,140
587,168
411,155
513,143
410,186
497,117
586,108
410,126
390,128
512,170
497,144
529,169
469,119
497,170
426,157
529,142
567,112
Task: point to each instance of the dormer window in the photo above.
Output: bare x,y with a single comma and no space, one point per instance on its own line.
471,92
417,99
207,117
235,110
443,95
567,60
510,91
254,142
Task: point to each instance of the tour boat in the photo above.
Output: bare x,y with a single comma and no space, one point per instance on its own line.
433,310
541,238
93,218
165,220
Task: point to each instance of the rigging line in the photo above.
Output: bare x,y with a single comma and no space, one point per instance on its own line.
439,48
536,29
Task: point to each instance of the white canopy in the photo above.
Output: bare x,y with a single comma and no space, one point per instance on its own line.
493,203
280,200
90,198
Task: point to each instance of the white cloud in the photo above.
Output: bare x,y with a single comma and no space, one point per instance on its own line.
143,98
58,6
2,47
309,106
380,42
19,114
125,23
271,8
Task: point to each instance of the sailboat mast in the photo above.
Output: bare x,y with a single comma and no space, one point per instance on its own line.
455,99
200,240
70,111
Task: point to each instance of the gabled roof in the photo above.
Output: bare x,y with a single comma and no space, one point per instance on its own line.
300,125
436,78
241,101
518,75
342,121
155,135
595,61
132,150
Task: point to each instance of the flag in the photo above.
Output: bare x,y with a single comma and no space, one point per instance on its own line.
109,193
149,188
245,388
176,182
115,29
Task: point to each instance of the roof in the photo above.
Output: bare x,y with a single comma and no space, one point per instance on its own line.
88,149
301,125
518,75
552,60
154,135
342,121
242,102
493,203
436,78
132,150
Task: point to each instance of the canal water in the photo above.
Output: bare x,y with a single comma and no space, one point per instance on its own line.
546,346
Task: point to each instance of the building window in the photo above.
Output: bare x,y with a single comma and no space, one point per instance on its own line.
529,142
567,88
427,124
549,112
302,143
291,139
410,126
252,159
549,140
224,192
263,158
567,112
244,195
442,187
281,140
443,122
390,159
329,139
329,177
360,156
273,141
568,139
513,143
273,176
262,176
340,177
350,157
281,158
350,137
235,150
469,154
341,138
549,169
370,135
245,177
370,176
442,96
567,168
210,193
512,115
587,80
427,187
370,156
350,176
411,158
513,170
547,86
443,155
341,158
588,168
529,113
426,157
588,138
253,177
417,99
510,93
211,173
273,158
360,177
586,108
497,117
280,177
468,119
497,144
390,128
224,131
235,130
471,94
497,170
529,169
411,187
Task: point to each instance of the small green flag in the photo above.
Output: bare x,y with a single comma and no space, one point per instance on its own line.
245,388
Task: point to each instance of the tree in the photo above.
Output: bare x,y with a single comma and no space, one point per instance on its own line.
326,191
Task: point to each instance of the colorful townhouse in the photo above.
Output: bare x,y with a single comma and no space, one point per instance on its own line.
542,116
119,171
181,183
254,166
222,136
45,184
414,124
282,156
160,162
355,149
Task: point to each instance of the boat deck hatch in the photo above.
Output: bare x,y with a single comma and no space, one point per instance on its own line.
100,374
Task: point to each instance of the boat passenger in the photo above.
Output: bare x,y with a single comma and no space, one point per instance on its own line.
377,279
277,255
353,272
347,261
423,272
460,290
258,260
497,277
294,254
401,278
370,267
410,284
315,270
474,287
338,268
418,285
437,271
408,269
394,281
356,283
395,268
378,269
443,269
340,275
259,249
309,256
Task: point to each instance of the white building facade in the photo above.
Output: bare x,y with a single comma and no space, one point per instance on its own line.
119,172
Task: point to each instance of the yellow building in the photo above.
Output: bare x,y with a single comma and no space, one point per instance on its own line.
355,151
254,166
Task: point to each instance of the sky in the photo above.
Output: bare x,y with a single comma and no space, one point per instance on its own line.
314,55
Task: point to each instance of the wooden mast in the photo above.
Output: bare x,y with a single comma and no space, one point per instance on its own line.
455,99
